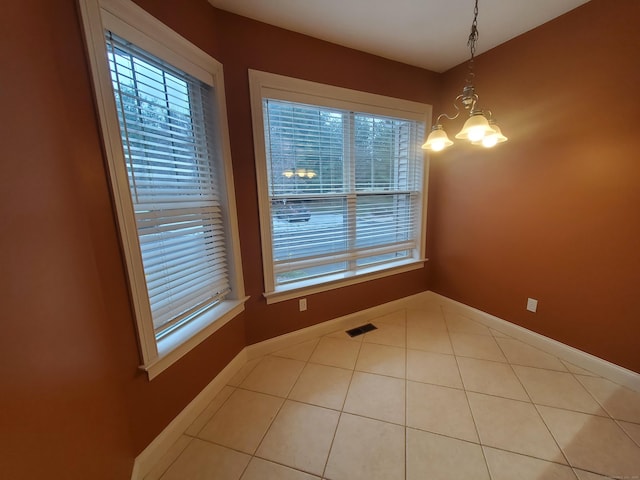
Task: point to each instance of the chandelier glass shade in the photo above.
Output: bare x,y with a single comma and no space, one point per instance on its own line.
438,140
480,128
299,172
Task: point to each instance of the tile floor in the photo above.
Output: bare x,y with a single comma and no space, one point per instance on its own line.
429,395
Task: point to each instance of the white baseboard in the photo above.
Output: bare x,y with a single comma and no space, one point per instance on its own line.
599,366
161,444
172,432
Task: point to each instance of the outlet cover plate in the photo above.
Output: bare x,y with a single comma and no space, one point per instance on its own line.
532,304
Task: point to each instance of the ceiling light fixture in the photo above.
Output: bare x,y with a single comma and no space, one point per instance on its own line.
480,128
299,172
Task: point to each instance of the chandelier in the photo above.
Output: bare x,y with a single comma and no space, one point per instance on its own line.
480,128
299,172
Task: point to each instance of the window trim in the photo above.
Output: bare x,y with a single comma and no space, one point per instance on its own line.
269,85
129,21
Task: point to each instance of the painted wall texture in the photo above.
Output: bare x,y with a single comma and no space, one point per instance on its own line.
73,403
554,213
551,214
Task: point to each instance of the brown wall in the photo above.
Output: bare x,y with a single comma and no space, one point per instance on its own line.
73,403
242,44
67,345
261,47
553,217
553,213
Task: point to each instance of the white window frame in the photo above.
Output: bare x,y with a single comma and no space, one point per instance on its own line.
268,85
129,21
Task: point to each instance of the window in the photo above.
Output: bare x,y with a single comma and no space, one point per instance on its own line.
341,177
162,113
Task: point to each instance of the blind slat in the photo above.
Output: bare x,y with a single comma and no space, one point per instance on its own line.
166,122
344,188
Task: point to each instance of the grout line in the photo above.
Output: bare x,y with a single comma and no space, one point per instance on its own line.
604,409
284,400
406,427
255,361
466,396
286,466
536,408
406,392
529,456
637,442
224,402
173,461
344,401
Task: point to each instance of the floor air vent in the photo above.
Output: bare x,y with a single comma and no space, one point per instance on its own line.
354,332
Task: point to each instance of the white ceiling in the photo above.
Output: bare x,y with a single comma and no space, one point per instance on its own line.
427,33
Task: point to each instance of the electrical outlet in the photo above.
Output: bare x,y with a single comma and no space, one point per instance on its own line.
302,304
532,304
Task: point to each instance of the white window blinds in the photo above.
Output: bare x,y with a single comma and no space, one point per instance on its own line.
344,190
166,117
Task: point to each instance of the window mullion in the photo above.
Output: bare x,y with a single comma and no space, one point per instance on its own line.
350,186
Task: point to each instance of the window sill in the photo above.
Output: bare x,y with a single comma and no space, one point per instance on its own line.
301,289
177,344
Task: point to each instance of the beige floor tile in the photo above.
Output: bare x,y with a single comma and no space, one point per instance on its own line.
431,367
376,396
242,421
434,457
168,458
557,389
260,469
514,426
353,422
382,359
460,324
366,449
476,346
492,378
204,460
431,320
300,437
432,304
498,333
244,371
519,353
301,351
632,429
440,410
322,385
387,334
620,402
343,335
274,375
578,370
336,352
398,317
582,475
510,466
429,340
208,413
593,443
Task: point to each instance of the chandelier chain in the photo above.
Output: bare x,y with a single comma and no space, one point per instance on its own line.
480,128
471,43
